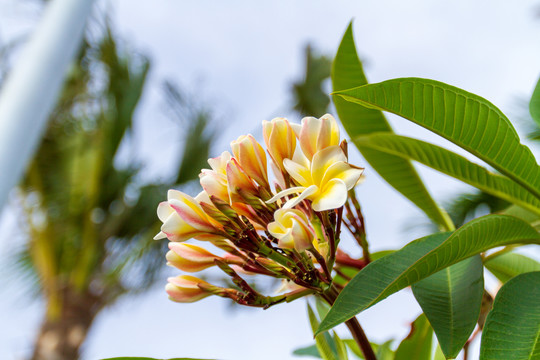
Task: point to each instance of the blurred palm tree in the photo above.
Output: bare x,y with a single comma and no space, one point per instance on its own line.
88,218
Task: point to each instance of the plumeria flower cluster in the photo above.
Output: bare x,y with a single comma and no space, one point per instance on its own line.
286,228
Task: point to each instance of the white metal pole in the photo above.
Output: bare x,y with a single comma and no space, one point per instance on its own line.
32,87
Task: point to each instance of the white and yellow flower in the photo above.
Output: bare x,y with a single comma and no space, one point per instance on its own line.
325,181
292,229
183,218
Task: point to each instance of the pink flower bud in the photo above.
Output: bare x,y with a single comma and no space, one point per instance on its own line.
185,289
214,184
241,187
280,140
250,154
189,258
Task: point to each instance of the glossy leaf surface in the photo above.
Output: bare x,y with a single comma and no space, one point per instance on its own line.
453,165
465,119
512,330
422,258
451,300
508,265
417,345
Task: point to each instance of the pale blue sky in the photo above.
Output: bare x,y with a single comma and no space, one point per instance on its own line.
243,56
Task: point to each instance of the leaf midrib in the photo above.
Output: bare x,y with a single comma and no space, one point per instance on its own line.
534,191
451,306
535,344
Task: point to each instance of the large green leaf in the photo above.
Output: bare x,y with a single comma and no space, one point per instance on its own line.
453,165
512,330
534,104
467,120
508,265
451,300
347,72
422,258
417,345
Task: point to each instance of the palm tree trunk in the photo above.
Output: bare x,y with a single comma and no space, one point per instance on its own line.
60,337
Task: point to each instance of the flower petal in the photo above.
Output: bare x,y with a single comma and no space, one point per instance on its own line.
306,194
160,235
192,213
189,258
289,191
301,174
309,134
219,163
328,133
184,289
323,159
176,229
344,171
332,196
164,210
214,184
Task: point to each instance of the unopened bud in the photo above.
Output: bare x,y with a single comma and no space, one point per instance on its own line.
317,134
280,140
250,154
239,183
186,289
189,258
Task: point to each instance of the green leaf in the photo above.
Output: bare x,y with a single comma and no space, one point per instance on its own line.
453,165
351,344
512,330
439,354
451,300
347,72
308,351
465,119
417,345
322,307
349,272
422,258
508,265
534,105
340,347
384,352
521,213
324,341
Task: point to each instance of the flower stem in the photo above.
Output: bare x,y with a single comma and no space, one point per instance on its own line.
354,327
360,337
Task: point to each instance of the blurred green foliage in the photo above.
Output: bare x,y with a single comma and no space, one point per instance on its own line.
89,218
308,95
